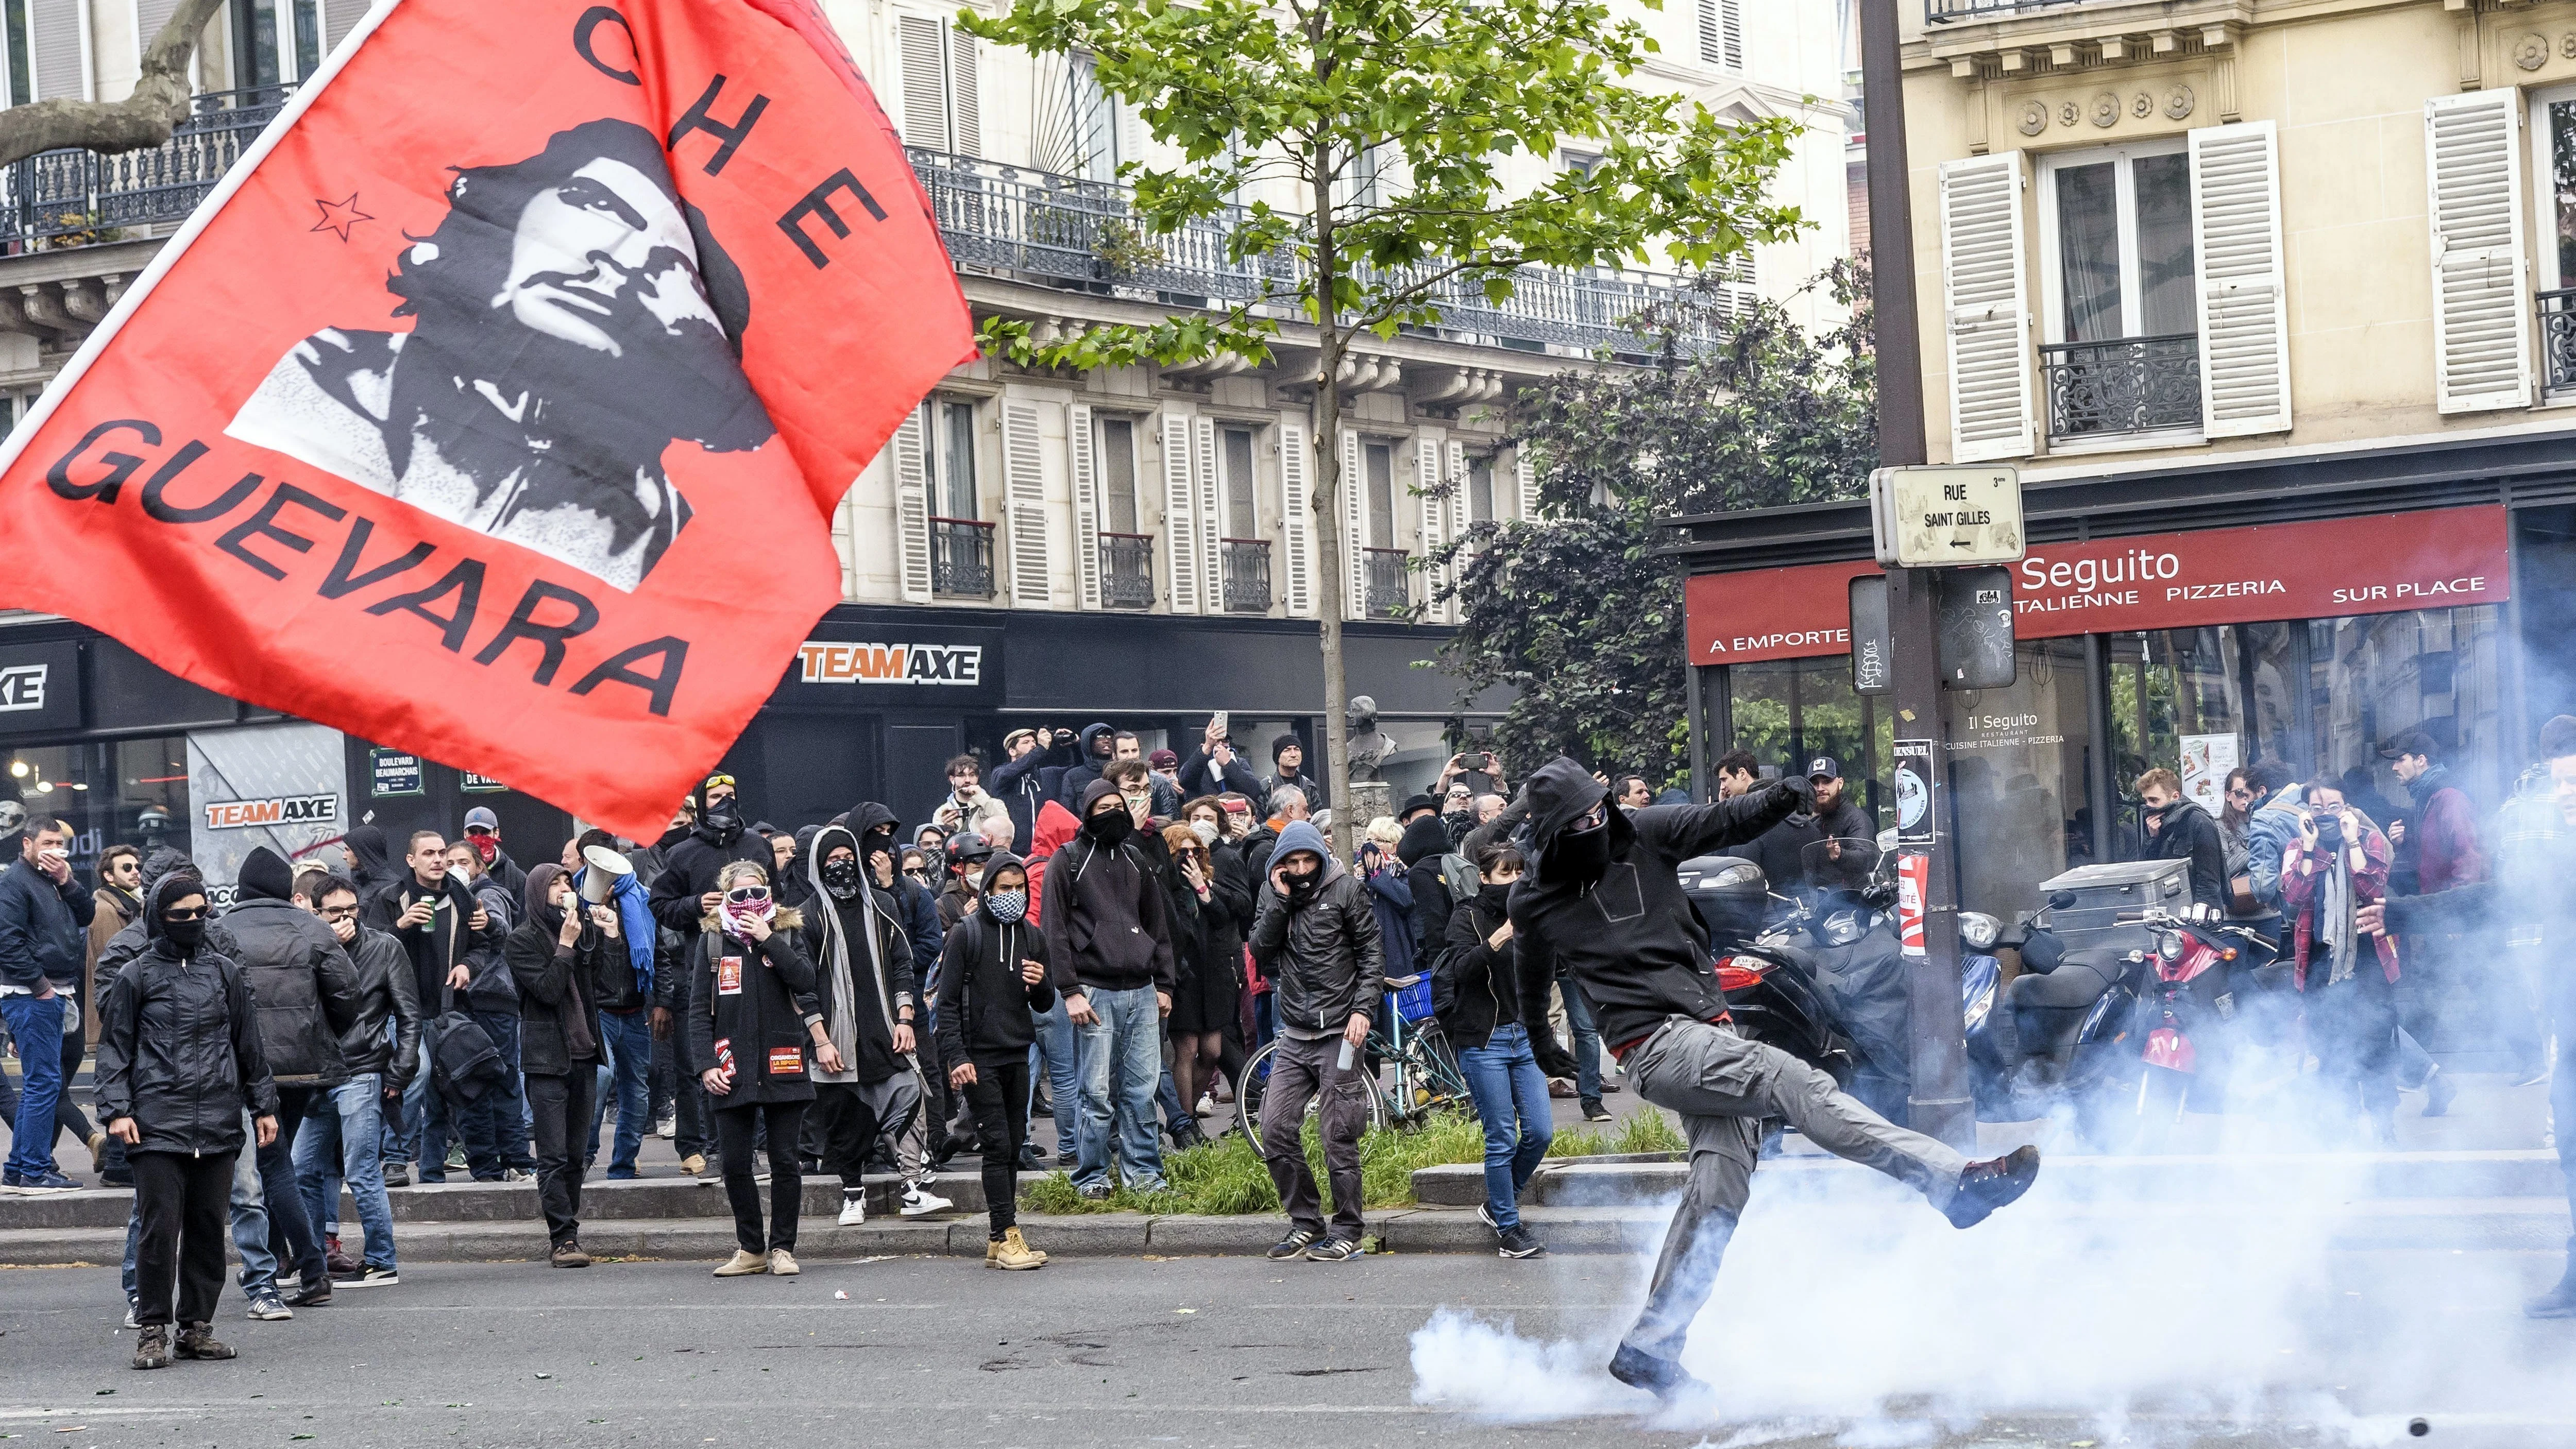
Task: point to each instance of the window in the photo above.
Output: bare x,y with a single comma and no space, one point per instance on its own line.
22,79
941,106
1242,514
2553,139
1095,123
1721,33
1480,490
280,41
1580,163
1377,462
1116,455
949,459
2122,351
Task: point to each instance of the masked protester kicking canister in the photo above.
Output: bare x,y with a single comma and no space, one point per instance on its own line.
1602,894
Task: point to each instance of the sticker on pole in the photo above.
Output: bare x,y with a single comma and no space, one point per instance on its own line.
1913,883
1914,786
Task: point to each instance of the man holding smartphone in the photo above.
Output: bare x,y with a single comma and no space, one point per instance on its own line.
44,925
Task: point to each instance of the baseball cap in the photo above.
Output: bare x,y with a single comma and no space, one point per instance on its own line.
2410,742
1163,760
482,818
1824,767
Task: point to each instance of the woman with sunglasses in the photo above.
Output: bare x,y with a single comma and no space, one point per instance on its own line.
178,1061
755,1023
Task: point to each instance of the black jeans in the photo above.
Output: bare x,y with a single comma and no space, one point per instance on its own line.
564,1107
2352,1026
68,1116
184,1203
842,1129
674,1089
999,1096
290,1228
735,1129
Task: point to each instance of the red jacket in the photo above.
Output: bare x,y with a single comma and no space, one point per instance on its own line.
2446,842
1056,827
2302,875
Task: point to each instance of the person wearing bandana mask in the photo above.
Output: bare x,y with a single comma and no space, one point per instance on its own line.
994,969
865,988
483,835
1109,946
685,892
1489,991
1603,895
179,1061
1318,936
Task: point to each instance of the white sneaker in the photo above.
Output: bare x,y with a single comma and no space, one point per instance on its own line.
667,1128
854,1209
919,1201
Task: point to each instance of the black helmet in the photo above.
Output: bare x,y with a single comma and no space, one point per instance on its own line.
968,851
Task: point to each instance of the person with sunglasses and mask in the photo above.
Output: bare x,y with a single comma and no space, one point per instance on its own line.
179,1060
865,988
755,1026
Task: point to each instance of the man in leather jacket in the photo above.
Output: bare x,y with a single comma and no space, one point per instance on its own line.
1317,936
343,1140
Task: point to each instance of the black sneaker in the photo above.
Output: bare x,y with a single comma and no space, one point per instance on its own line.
397,1174
1295,1245
1593,1111
1485,1215
1518,1242
1333,1250
1661,1377
310,1295
1991,1184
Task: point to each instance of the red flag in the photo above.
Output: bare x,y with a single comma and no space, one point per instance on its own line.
497,405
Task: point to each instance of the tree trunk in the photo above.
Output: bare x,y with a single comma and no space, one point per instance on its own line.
1327,414
143,119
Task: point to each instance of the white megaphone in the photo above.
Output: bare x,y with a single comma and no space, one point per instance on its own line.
607,867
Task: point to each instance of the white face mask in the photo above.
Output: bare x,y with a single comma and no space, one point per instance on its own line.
1206,831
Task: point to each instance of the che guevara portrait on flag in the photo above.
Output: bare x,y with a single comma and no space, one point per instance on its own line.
572,317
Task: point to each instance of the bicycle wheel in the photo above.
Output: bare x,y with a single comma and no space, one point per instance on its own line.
1256,1078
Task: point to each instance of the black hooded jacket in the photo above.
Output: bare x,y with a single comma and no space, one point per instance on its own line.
1630,937
881,975
307,990
1419,851
178,1043
2188,833
1090,756
1477,986
984,1004
370,859
1105,923
558,1012
690,865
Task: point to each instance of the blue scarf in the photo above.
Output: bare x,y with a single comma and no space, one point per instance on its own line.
636,922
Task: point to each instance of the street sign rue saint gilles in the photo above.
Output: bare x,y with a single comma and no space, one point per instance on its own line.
1946,517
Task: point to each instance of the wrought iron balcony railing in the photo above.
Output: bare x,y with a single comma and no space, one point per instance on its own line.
1247,575
1390,583
2128,385
1127,570
2557,341
1951,12
80,198
961,558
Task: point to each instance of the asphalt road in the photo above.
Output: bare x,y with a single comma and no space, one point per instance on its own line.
1217,1352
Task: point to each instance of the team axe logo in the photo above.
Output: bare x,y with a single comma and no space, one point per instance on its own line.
276,810
22,687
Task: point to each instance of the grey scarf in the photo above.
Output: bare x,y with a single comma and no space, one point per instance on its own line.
2335,910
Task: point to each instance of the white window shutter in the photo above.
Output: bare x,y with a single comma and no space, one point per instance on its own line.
2243,298
912,509
1985,306
1297,520
1354,531
1024,485
1180,517
1211,516
2481,312
966,105
1086,505
1525,484
1435,521
1721,33
925,82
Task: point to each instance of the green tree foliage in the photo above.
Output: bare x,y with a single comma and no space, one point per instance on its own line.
1405,129
1575,608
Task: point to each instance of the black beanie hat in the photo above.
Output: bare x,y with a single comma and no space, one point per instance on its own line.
1283,745
265,875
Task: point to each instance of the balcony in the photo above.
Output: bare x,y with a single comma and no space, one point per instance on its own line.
80,198
2125,386
1390,582
1247,575
2558,342
961,558
1127,570
1952,12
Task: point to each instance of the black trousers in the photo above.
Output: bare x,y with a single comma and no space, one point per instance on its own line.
563,1108
68,1117
842,1130
290,1228
736,1127
1000,1099
2352,1027
185,1206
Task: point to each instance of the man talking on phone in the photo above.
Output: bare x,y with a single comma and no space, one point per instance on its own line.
44,925
1316,935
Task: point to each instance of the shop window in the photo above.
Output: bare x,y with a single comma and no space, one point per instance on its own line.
2199,702
2018,761
2379,675
1786,712
132,792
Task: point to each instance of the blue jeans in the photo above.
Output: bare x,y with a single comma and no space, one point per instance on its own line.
249,1223
424,1119
495,1128
37,1027
342,1142
1511,1100
626,1041
1587,1042
1122,1060
1059,1046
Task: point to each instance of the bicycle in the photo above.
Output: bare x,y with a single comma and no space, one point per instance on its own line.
1427,1078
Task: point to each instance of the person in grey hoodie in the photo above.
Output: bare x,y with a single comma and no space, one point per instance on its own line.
1317,936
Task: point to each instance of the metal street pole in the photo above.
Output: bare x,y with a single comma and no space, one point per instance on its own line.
1940,1105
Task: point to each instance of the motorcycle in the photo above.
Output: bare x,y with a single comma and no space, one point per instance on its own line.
2188,999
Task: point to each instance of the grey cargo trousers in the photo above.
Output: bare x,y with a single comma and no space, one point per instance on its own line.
1724,1086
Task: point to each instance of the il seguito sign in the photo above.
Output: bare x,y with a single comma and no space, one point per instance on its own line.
2375,564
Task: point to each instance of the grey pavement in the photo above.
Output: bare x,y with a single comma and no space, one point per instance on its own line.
1225,1352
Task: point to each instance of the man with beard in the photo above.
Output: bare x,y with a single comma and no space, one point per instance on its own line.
1602,894
863,985
1782,851
1109,946
2177,829
574,318
1099,745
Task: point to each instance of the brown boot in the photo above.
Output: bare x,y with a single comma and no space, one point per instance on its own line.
152,1346
1013,1253
568,1254
197,1340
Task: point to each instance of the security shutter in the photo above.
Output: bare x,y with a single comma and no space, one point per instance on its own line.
1086,506
1435,523
1354,531
1180,517
2481,314
2244,306
1525,483
1297,520
1985,308
1024,485
925,82
1211,518
965,101
911,510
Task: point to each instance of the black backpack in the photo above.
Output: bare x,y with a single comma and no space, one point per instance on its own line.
464,1064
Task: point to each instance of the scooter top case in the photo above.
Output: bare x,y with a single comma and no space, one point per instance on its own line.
2105,892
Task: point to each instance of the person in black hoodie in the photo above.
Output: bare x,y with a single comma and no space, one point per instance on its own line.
308,997
555,952
1489,991
994,967
370,859
685,892
1424,841
754,1022
1098,746
1604,896
178,1061
864,988
1109,945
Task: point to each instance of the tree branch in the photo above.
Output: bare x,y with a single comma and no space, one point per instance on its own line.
143,119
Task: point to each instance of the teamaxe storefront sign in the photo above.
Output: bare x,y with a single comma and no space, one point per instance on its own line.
825,662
